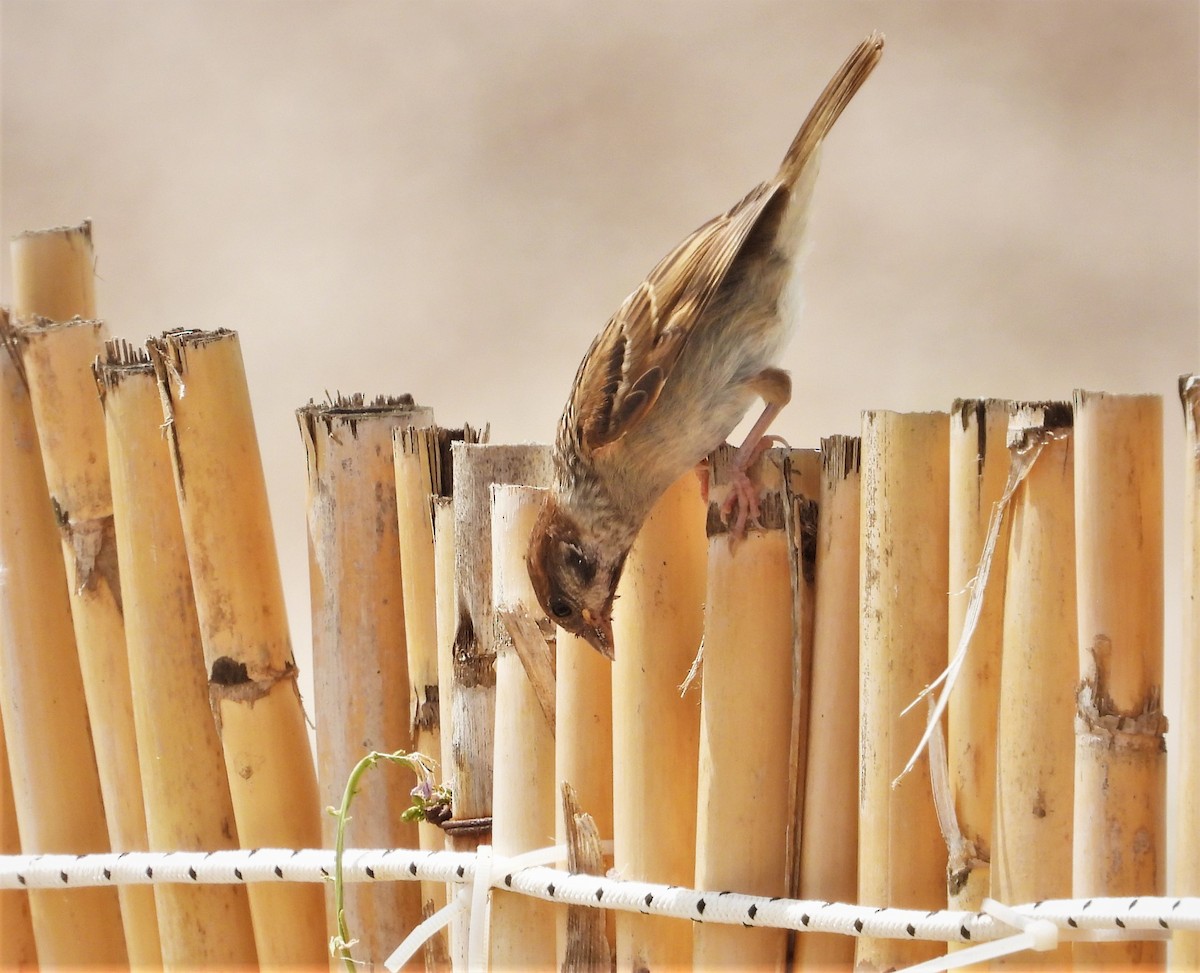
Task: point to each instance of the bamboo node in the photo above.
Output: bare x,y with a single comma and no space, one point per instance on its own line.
93,544
232,680
1098,722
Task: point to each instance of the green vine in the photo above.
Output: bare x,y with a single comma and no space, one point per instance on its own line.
431,802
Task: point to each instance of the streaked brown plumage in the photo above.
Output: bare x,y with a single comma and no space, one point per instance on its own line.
673,372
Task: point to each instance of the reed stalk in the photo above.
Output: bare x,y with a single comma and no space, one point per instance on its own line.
424,472
978,473
57,360
1185,947
1034,780
18,950
360,664
744,789
188,807
905,523
56,787
658,621
829,859
523,928
222,498
1120,753
473,686
583,760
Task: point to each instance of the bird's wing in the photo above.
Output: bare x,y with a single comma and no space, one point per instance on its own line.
624,370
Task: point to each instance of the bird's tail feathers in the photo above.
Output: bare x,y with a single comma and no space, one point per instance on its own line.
836,96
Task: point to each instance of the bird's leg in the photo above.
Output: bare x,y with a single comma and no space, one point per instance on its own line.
774,385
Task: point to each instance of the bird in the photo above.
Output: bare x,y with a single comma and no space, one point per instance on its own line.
672,373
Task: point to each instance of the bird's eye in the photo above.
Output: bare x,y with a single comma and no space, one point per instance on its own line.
574,557
561,608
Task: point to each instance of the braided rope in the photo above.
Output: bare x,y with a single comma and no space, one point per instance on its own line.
1154,915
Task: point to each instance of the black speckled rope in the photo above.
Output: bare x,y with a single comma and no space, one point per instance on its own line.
1124,916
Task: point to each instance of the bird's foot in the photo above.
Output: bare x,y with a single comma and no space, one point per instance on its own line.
743,494
740,507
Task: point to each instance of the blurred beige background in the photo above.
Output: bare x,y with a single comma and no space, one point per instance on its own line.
451,198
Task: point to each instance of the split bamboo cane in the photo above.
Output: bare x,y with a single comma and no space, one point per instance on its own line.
188,807
588,946
1120,755
658,622
1034,780
1185,946
523,928
473,690
424,472
744,788
829,856
243,626
360,663
978,472
58,363
905,521
56,787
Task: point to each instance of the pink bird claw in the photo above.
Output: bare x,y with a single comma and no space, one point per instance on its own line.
743,497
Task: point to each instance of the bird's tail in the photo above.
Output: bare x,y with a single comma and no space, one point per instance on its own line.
829,106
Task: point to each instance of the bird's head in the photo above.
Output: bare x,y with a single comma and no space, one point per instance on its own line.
575,572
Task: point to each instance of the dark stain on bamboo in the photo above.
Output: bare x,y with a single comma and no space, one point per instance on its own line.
428,710
473,667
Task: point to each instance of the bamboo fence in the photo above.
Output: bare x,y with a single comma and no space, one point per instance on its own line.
754,736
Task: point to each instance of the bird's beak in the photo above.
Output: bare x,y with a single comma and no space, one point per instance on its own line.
599,633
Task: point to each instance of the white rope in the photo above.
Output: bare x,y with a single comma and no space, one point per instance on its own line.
1130,918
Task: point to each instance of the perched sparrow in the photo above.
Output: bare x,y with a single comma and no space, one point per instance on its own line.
672,373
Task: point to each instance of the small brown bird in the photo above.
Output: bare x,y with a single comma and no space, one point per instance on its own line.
672,373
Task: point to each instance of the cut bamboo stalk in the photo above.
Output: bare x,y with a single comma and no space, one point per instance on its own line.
905,522
523,928
588,948
53,273
829,862
56,787
243,626
457,933
423,472
188,807
1120,755
1034,777
802,487
744,790
58,359
360,662
1185,947
473,691
18,951
658,621
583,759
978,473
